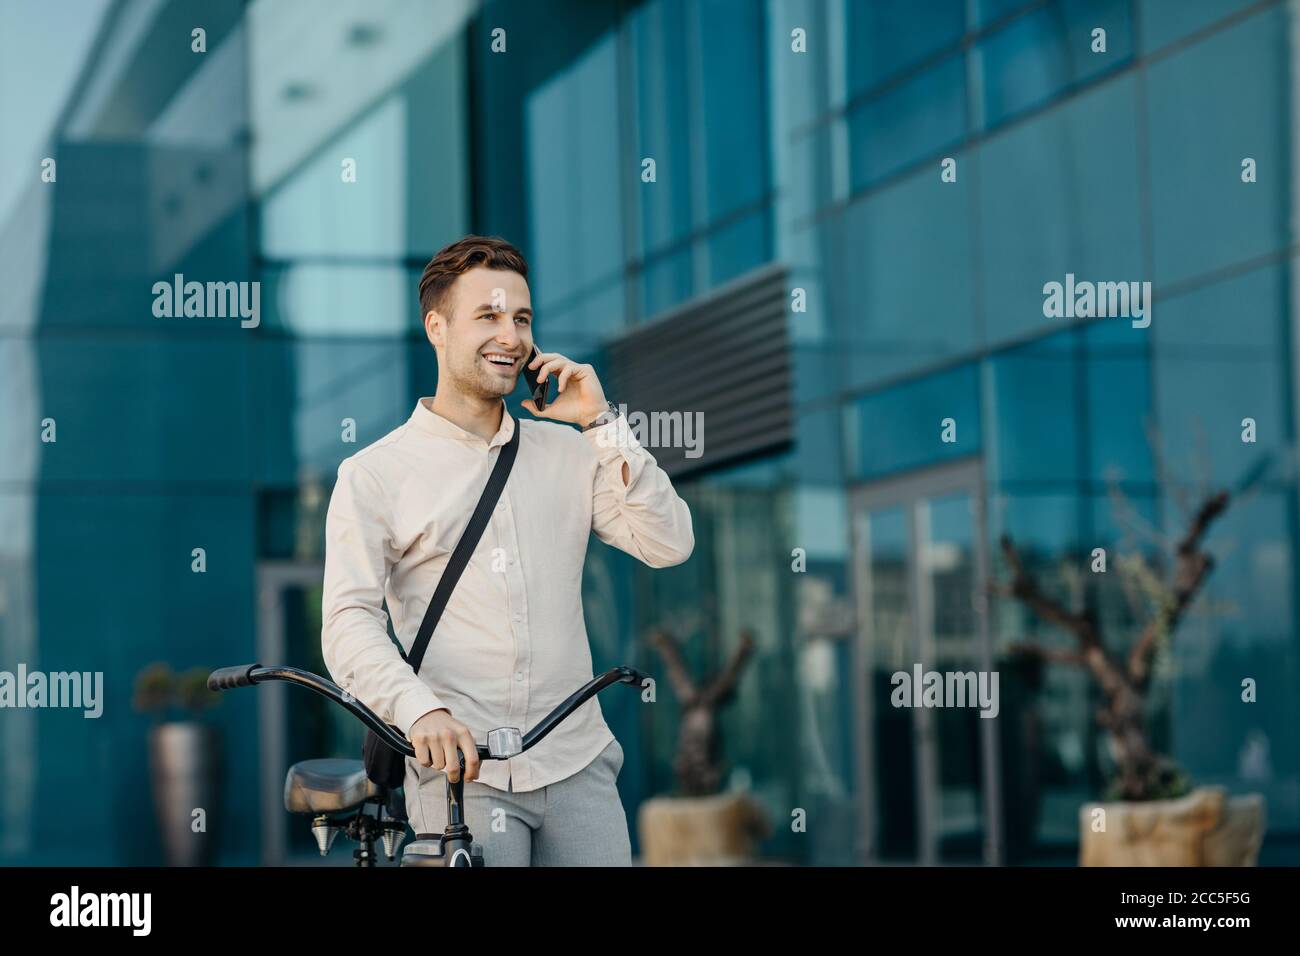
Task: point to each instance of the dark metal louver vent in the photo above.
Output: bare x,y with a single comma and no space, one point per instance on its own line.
725,362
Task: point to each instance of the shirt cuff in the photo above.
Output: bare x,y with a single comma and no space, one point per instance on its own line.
412,706
611,439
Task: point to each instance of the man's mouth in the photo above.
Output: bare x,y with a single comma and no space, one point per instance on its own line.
500,361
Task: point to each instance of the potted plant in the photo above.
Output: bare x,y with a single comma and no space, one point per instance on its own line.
183,755
1151,816
699,824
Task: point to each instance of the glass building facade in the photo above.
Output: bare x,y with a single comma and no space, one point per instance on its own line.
918,170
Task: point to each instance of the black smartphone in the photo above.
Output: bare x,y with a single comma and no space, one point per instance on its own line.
538,389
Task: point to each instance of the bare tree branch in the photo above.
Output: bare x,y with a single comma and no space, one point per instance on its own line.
1191,567
1130,567
678,675
723,685
1026,589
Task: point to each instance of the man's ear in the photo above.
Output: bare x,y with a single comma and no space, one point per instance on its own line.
435,328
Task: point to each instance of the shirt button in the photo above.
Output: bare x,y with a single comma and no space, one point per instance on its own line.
519,675
518,616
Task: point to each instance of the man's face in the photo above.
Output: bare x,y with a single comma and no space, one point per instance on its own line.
493,317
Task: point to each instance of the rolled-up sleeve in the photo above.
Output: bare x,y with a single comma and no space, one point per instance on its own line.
644,517
357,650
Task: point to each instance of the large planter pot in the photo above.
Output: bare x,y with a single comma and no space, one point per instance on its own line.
183,772
1204,828
719,830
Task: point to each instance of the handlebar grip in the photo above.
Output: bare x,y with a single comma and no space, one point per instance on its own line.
225,678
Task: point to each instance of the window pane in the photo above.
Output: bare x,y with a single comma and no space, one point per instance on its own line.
1036,57
1034,413
1202,214
1245,628
1117,401
901,284
148,409
317,213
1163,22
925,114
986,11
665,282
1058,196
903,427
575,186
663,121
340,298
734,78
1220,359
737,248
886,36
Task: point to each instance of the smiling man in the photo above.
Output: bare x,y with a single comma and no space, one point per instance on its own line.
511,643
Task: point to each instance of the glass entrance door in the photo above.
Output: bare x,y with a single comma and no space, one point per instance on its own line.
929,791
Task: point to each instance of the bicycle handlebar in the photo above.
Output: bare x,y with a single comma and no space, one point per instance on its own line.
246,675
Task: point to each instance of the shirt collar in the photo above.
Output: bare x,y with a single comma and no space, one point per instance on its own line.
427,420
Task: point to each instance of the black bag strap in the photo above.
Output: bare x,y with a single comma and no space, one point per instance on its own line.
465,548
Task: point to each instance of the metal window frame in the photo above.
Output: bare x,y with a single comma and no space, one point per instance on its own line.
907,492
273,578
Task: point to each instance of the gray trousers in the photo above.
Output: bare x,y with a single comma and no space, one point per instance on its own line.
577,821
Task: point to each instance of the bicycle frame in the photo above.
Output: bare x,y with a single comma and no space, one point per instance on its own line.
456,846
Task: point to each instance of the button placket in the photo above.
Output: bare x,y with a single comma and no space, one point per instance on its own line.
514,576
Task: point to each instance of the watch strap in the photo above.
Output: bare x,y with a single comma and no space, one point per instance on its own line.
604,418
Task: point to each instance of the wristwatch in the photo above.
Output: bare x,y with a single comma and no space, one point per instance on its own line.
604,418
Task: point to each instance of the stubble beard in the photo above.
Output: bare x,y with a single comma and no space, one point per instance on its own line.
478,382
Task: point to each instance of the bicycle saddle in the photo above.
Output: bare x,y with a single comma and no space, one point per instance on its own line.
326,785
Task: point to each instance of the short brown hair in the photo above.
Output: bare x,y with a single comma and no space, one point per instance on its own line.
459,257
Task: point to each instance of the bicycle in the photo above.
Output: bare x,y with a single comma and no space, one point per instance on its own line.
337,791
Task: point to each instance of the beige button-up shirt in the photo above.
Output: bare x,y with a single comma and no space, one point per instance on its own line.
512,643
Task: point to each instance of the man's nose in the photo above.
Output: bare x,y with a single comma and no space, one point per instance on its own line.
510,339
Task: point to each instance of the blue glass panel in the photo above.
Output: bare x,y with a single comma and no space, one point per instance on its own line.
1117,401
165,408
1162,22
1038,56
987,11
901,286
1245,629
1034,412
1202,127
338,298
737,248
1058,196
903,427
316,213
666,282
1219,360
576,181
925,114
886,36
663,121
733,75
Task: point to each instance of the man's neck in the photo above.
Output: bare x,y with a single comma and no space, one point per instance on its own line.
477,415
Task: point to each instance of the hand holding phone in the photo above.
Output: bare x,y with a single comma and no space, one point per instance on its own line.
537,389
